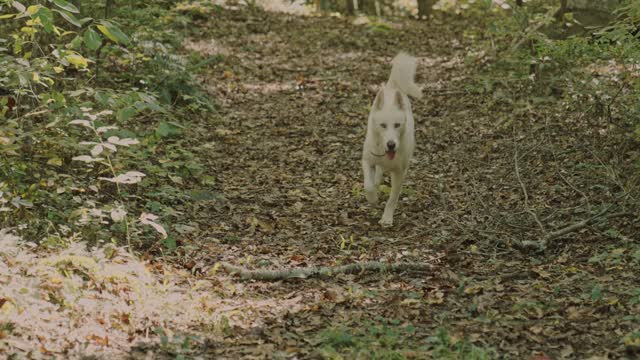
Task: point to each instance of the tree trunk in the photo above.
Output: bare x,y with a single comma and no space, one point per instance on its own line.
559,15
107,8
351,7
367,6
424,8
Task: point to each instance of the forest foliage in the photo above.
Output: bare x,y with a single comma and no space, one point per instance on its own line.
93,97
103,113
88,95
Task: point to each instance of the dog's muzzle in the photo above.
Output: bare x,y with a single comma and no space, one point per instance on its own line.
391,149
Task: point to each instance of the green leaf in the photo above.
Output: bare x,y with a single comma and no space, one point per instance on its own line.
166,129
103,29
33,9
55,161
92,39
69,17
170,243
125,114
113,32
596,293
150,102
46,17
204,195
64,5
77,60
75,43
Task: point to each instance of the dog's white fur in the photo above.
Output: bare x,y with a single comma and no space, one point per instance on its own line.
390,122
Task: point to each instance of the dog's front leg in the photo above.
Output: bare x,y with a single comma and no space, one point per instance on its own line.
397,177
378,176
370,188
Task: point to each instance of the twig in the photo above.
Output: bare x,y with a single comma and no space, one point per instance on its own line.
573,228
613,99
581,224
445,92
35,112
537,28
284,68
524,189
303,273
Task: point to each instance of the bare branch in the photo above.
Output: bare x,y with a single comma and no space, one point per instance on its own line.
602,215
303,273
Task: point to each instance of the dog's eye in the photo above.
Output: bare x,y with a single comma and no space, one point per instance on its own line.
396,125
384,126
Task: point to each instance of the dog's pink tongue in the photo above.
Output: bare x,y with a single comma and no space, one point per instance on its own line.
391,154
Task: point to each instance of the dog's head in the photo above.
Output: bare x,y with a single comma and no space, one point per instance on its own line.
389,120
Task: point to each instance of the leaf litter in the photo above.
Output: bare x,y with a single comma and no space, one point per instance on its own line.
294,95
103,301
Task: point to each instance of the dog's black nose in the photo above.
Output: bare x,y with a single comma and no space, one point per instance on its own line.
391,145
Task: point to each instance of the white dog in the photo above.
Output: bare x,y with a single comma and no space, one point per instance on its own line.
390,138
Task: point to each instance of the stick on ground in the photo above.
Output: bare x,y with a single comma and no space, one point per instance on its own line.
572,228
303,273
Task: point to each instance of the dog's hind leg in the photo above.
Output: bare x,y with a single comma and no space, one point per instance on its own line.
397,177
379,174
370,187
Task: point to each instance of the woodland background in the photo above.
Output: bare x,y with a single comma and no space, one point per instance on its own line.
173,173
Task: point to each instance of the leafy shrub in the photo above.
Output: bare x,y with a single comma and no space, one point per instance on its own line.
84,102
594,70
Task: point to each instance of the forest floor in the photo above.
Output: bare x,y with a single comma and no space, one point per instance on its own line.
495,169
294,94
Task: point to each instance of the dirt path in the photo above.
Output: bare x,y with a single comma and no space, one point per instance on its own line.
292,139
294,95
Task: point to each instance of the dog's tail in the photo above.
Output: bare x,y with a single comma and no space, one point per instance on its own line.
403,71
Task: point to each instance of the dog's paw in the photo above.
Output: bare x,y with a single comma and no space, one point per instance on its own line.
386,222
372,197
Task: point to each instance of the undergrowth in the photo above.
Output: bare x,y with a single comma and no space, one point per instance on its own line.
119,72
533,55
387,339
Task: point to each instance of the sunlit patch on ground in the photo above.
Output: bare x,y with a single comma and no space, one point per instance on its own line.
292,7
268,88
105,301
207,47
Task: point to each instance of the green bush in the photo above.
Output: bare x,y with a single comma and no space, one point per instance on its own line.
77,95
533,54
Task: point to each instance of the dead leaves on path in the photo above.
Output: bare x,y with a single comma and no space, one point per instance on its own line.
294,101
105,301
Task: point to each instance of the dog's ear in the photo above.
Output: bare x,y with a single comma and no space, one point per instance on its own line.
398,100
378,103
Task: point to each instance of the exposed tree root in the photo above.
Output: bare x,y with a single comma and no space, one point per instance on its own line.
323,271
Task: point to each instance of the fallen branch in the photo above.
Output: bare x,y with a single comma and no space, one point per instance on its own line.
602,215
444,92
579,225
325,271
